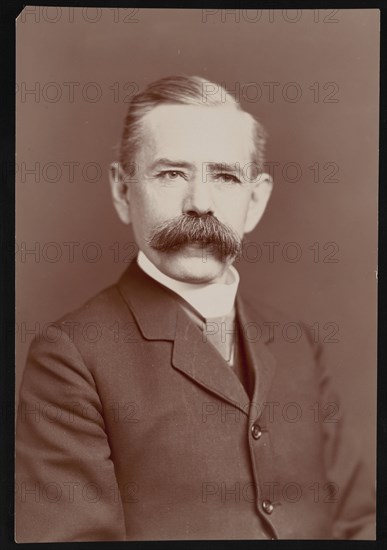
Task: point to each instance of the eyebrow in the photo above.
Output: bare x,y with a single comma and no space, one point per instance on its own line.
211,166
170,163
221,167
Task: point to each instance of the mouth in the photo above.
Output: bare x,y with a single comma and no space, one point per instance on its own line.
195,249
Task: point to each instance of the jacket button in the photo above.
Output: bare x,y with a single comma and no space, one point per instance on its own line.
256,431
267,506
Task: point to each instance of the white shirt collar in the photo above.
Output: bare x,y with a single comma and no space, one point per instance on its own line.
209,299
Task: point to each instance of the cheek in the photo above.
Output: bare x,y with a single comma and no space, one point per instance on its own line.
153,205
232,207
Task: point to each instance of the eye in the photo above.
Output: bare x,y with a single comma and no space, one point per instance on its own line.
170,174
227,178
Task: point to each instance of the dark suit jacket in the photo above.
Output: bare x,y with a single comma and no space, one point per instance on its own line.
131,426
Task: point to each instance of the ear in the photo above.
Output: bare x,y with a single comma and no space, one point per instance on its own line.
260,195
119,184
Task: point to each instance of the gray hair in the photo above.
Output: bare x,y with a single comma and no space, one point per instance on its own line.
178,90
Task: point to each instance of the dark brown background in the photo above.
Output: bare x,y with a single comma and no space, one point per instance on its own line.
155,43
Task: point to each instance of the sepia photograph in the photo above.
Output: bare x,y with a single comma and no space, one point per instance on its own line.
196,274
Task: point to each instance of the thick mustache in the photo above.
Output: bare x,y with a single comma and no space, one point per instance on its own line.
186,229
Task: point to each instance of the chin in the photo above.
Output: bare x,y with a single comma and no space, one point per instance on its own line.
193,269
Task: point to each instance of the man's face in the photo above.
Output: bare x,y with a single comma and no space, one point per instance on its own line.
193,161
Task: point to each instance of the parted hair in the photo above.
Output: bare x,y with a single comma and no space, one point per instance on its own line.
179,90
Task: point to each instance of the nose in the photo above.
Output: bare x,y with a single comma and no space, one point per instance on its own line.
198,201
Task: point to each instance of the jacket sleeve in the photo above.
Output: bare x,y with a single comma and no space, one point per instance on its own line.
352,489
66,489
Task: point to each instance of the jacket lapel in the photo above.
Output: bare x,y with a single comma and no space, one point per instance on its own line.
260,360
160,317
199,360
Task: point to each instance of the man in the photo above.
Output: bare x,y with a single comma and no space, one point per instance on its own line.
170,423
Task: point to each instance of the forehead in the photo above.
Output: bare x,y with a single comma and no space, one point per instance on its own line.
198,133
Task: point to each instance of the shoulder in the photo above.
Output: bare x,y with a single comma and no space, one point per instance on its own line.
101,308
86,328
286,335
268,315
266,312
